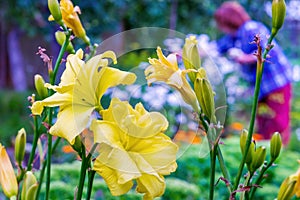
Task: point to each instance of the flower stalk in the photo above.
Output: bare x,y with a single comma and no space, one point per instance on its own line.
36,136
83,167
260,67
52,75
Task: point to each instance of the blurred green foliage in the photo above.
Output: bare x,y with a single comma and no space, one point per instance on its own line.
113,16
189,182
14,115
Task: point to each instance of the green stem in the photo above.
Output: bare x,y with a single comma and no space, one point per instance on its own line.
42,173
259,72
82,174
212,154
91,173
49,155
260,178
56,144
34,144
247,181
223,167
52,76
59,58
212,172
90,184
216,152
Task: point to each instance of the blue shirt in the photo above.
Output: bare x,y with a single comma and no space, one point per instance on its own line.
277,69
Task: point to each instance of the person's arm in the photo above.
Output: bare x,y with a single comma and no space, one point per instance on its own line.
246,59
246,36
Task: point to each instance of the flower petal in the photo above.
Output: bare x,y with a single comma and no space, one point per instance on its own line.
8,178
166,70
110,77
166,61
159,152
133,123
73,67
56,99
151,186
71,121
112,153
111,178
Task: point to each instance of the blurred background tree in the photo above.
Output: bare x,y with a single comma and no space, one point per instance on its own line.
24,26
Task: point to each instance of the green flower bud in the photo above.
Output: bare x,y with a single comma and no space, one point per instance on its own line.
278,15
54,8
61,38
77,144
39,86
20,144
243,140
286,190
190,56
31,193
29,187
275,146
205,95
258,158
250,154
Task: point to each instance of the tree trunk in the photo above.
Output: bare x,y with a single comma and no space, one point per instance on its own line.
173,15
16,67
3,57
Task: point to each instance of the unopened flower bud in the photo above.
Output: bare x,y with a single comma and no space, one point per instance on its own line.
72,21
205,95
30,186
278,15
190,56
54,8
77,144
286,190
250,153
20,145
243,140
61,38
8,178
39,86
258,158
275,146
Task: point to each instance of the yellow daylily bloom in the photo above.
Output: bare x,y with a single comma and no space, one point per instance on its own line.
132,145
297,186
166,69
71,19
8,178
290,186
79,92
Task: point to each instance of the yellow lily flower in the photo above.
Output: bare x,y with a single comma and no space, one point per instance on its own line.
71,19
132,145
8,178
290,186
79,92
297,186
166,69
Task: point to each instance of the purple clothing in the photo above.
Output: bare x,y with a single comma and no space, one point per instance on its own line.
277,70
273,114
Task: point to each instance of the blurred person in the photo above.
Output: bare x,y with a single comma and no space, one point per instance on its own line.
273,112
